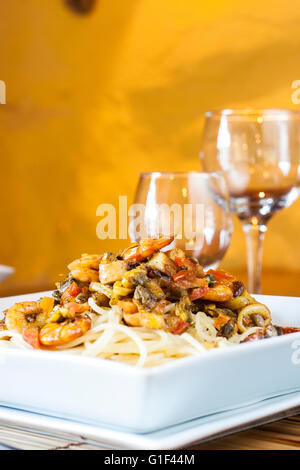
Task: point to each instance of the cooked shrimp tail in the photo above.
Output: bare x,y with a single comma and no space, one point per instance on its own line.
145,248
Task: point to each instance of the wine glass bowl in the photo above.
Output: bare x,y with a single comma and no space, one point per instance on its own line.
258,152
194,206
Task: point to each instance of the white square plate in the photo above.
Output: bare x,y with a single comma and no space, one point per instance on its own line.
97,391
180,436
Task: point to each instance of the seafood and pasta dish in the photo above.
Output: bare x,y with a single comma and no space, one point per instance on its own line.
141,306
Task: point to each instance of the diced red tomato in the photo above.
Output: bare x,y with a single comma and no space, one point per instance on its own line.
180,327
198,292
183,274
73,289
70,291
221,275
185,262
286,330
32,336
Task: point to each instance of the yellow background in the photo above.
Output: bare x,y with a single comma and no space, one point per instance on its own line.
94,100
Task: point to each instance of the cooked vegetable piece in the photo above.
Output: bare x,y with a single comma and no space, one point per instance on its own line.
155,289
145,297
238,288
163,263
239,302
112,272
101,289
100,299
176,326
176,253
83,297
183,274
221,321
210,279
162,306
228,329
135,277
47,304
183,308
70,292
121,291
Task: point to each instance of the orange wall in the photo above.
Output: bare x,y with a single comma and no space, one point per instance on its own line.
94,100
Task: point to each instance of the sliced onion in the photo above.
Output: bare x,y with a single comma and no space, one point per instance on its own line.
96,307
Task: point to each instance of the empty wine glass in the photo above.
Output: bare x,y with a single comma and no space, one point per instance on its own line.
194,206
258,152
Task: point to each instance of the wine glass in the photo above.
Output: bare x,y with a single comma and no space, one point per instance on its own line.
194,206
258,152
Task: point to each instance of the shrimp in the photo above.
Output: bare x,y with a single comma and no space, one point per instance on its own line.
145,248
148,320
58,334
25,315
218,293
86,268
286,330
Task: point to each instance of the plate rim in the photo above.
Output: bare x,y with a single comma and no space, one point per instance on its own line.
186,434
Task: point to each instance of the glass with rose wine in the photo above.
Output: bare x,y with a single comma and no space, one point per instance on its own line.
258,151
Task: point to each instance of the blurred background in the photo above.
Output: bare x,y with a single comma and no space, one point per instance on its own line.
98,91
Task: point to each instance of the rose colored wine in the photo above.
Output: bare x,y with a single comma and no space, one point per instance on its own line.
262,203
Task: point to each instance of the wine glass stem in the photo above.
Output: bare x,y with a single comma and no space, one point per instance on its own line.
254,234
